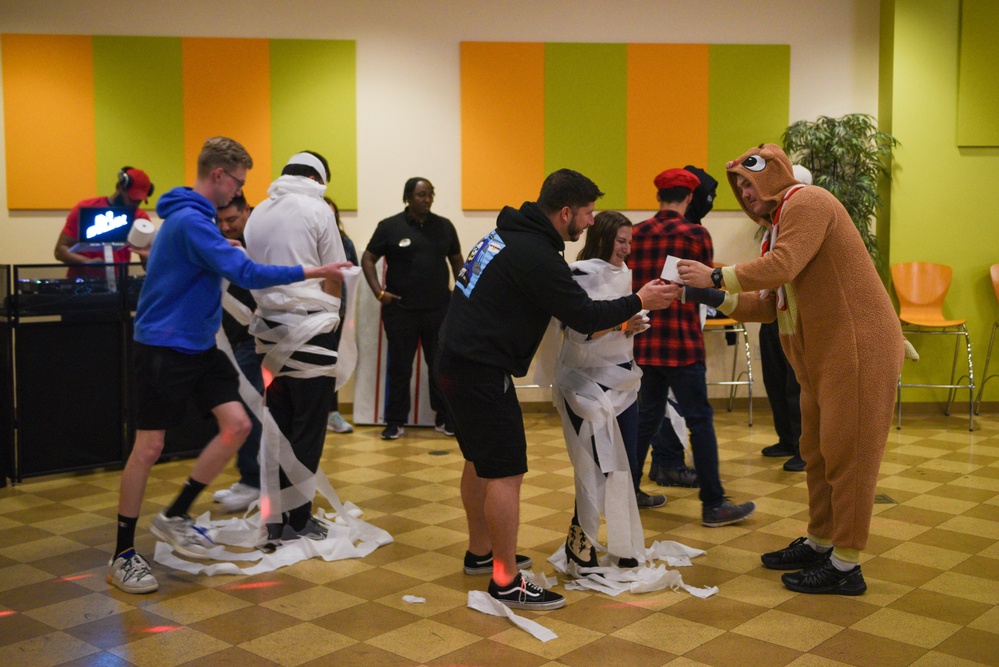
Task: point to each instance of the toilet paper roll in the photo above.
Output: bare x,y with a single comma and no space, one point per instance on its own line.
141,234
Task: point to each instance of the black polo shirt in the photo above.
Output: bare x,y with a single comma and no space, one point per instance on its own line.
416,255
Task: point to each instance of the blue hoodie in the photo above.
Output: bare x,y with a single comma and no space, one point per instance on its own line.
180,305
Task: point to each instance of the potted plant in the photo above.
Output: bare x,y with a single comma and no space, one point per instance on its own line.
847,156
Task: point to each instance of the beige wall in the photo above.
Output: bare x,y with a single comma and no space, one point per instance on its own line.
408,77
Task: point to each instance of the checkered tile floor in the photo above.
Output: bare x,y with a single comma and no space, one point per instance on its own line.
932,568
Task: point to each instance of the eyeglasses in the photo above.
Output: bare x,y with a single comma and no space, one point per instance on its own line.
239,182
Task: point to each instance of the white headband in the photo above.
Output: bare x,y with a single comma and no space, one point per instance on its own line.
310,160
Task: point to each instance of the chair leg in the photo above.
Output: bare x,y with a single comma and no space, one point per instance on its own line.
971,383
733,387
985,373
898,390
749,371
953,373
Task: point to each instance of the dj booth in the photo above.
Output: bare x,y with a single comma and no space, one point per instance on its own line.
66,398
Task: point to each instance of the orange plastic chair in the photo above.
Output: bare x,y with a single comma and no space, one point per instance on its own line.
988,357
921,288
738,379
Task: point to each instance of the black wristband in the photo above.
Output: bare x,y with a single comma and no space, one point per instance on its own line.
705,295
716,278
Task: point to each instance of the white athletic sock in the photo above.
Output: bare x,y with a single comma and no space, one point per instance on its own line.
818,547
841,565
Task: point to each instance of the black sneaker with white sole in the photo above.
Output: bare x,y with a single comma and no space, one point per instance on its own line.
484,564
393,432
522,594
795,556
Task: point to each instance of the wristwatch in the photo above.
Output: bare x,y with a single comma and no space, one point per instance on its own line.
716,278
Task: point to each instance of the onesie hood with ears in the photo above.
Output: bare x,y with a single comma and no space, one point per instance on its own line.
768,168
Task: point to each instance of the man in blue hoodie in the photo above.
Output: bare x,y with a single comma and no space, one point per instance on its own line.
179,311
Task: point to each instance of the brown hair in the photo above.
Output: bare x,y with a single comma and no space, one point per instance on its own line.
600,237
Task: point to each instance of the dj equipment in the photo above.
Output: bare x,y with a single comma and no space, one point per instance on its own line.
63,359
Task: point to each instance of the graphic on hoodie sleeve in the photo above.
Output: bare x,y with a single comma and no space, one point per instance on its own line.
477,261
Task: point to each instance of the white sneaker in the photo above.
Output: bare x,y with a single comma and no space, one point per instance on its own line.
182,535
131,573
338,424
237,497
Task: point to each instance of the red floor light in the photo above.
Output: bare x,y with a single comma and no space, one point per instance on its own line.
7,613
74,577
156,629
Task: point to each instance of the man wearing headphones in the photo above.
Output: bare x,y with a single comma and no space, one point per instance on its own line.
133,188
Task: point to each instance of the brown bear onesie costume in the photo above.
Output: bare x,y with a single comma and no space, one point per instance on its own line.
840,332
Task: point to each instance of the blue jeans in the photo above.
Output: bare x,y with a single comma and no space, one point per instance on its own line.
247,460
689,385
667,449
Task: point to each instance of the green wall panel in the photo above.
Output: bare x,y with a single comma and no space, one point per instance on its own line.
585,114
314,107
749,101
978,82
139,110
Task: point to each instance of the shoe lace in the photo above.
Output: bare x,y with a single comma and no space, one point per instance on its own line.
528,587
135,567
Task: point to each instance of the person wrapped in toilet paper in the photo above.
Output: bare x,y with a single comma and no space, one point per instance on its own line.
595,390
295,326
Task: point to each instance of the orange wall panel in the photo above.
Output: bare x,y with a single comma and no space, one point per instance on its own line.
502,123
667,114
227,92
48,101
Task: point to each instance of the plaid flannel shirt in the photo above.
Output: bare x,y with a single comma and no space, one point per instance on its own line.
675,337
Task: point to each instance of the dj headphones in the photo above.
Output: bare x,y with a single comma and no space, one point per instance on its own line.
125,181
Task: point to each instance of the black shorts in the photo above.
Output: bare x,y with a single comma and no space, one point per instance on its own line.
487,419
166,378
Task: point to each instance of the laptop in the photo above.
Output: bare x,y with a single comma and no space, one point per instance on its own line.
102,226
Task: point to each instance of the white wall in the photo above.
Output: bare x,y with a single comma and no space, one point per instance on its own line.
408,92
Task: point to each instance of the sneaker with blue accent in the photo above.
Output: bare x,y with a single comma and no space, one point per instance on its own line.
131,573
338,424
182,535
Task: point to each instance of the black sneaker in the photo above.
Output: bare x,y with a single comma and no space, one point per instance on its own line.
824,578
645,501
578,547
795,464
392,431
726,513
522,594
684,476
484,564
795,556
314,529
778,450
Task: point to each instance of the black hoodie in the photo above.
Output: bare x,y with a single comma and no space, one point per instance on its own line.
513,282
